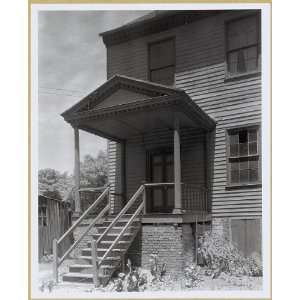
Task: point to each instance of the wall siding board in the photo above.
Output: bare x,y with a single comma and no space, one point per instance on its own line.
200,71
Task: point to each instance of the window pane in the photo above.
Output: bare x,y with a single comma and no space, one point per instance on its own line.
162,54
243,136
235,174
253,175
234,150
233,138
252,135
242,33
163,76
243,149
244,176
253,166
251,58
232,62
235,166
253,148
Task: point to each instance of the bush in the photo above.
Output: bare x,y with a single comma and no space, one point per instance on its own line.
218,255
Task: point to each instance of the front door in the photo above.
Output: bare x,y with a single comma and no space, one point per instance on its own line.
162,170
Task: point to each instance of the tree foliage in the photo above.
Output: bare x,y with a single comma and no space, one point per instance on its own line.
57,185
94,170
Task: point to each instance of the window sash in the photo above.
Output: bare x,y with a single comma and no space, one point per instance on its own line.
239,40
162,61
243,166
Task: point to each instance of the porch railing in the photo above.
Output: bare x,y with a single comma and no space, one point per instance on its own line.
194,197
88,196
57,261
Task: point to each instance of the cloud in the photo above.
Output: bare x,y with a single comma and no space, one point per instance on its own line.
72,60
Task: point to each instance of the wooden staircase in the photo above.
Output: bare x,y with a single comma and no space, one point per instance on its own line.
82,269
106,249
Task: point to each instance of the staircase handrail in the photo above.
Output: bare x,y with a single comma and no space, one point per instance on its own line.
122,212
129,222
58,261
75,225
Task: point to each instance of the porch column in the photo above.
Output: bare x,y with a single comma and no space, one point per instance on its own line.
76,171
177,168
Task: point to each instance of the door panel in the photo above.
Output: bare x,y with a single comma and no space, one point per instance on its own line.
162,170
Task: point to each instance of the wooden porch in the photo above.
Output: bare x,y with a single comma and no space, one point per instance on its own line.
125,108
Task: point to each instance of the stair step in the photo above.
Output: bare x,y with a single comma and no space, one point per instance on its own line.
85,278
100,251
107,267
119,242
113,258
80,268
113,234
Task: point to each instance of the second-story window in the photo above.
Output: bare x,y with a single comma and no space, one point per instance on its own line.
243,45
162,61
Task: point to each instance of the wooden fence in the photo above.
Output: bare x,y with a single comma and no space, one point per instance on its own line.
55,218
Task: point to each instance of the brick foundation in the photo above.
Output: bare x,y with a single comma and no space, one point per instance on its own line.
173,243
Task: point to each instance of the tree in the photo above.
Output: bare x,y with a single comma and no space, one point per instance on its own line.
54,184
57,185
94,170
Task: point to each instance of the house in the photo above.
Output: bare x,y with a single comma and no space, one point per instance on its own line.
54,218
181,109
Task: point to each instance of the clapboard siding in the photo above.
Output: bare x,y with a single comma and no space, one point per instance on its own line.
201,72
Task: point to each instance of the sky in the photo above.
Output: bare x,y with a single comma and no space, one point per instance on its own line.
71,64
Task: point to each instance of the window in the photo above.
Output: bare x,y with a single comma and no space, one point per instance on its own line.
243,45
162,61
43,216
243,156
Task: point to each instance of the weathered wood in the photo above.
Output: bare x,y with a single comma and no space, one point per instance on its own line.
201,72
122,212
56,221
55,261
95,263
77,171
78,221
177,168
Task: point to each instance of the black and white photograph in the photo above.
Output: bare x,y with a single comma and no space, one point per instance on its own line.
150,151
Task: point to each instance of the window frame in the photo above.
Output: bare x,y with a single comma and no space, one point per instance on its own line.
228,75
257,183
43,217
150,44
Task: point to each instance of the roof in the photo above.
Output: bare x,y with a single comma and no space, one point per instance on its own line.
119,81
124,105
153,22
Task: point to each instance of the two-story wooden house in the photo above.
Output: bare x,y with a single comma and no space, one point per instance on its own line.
181,109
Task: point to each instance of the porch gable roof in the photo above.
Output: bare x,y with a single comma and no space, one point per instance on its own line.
124,100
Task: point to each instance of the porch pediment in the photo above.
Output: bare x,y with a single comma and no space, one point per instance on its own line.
124,106
119,90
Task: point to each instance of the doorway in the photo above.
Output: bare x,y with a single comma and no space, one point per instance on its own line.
162,170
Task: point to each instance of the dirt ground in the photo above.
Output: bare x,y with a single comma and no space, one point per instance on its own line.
206,283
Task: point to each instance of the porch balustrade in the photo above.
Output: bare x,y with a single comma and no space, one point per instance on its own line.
194,197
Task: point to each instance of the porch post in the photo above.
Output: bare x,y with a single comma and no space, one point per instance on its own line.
177,168
77,171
